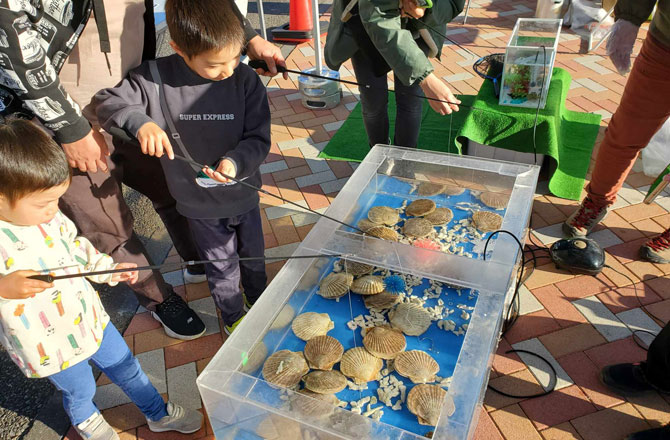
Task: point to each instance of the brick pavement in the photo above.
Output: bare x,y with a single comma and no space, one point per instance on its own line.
579,322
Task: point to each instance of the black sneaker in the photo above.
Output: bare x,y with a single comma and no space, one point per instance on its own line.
625,379
178,319
195,274
662,433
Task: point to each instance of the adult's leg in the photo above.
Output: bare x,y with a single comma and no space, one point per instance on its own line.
657,367
643,109
118,363
216,239
250,243
409,108
374,100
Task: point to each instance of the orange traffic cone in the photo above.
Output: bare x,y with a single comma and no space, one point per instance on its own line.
299,28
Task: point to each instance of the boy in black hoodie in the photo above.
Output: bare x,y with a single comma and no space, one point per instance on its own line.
216,112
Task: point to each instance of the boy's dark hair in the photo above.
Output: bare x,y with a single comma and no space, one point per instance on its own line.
197,26
30,161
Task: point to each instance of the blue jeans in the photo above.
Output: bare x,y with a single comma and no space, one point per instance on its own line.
118,363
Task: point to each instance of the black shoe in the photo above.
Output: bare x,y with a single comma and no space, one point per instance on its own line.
195,274
178,319
625,379
651,434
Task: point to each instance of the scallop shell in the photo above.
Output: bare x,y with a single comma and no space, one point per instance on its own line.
360,365
494,200
417,365
255,358
284,318
383,215
383,232
325,382
275,427
411,318
357,269
420,207
322,352
317,405
425,402
417,227
440,216
453,190
368,285
487,221
365,224
285,368
427,189
384,342
381,301
335,285
311,324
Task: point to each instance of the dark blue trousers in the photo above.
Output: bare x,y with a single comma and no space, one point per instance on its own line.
240,236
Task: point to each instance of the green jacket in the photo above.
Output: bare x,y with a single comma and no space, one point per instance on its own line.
638,11
394,38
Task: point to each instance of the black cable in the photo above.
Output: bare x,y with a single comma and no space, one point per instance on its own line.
553,378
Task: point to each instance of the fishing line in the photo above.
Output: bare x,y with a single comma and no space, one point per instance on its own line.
123,135
49,278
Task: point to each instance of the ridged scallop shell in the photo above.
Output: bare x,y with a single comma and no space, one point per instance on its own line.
440,216
360,365
416,365
275,427
425,402
285,368
318,405
486,221
335,285
384,342
322,352
453,190
311,324
417,227
284,318
383,232
325,382
368,285
420,207
411,318
494,200
255,358
383,215
365,224
357,269
427,189
381,301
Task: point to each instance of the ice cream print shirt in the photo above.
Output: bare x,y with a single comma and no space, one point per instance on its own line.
61,326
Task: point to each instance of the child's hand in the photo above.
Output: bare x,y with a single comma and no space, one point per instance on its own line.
129,277
154,141
410,9
225,167
17,285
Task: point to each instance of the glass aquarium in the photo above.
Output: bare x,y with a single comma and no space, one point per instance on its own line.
529,60
373,336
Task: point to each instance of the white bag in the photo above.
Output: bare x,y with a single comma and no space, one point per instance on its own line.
656,155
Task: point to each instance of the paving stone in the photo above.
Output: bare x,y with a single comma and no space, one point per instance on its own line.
557,407
306,218
549,234
294,143
531,325
332,126
334,185
350,106
457,77
315,179
591,84
182,388
206,309
514,424
564,431
617,352
587,376
486,429
317,165
275,212
281,251
312,151
653,408
273,167
631,195
637,319
153,364
175,278
521,383
109,396
489,35
294,96
602,319
612,423
568,340
527,302
538,367
605,238
307,51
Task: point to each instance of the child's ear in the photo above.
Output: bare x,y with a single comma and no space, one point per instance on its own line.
176,48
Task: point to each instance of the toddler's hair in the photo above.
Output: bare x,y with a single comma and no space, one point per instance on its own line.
30,161
197,26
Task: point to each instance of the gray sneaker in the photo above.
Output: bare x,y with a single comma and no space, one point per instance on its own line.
583,220
96,428
186,421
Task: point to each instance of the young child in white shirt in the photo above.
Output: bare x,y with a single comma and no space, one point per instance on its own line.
54,329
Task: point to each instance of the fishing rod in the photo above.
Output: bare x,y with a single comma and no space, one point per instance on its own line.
123,135
50,278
